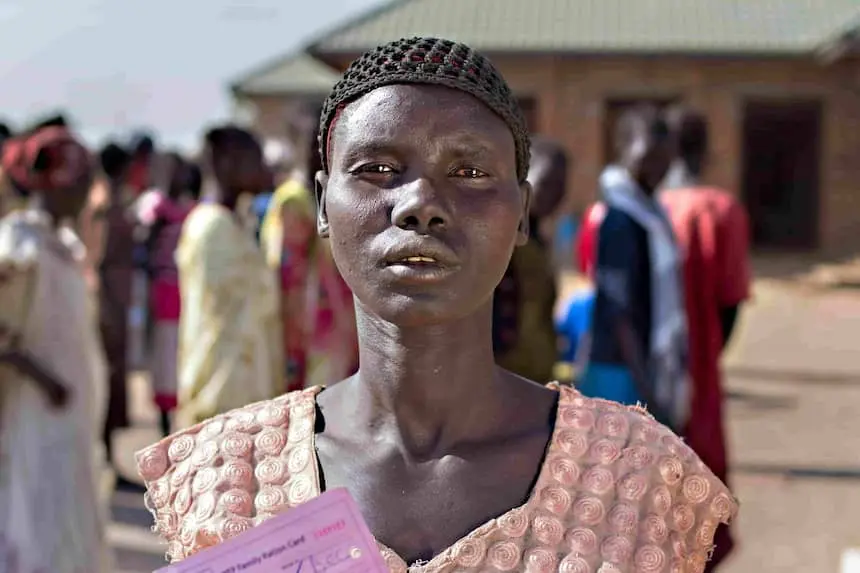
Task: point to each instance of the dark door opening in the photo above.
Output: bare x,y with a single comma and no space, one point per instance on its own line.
614,108
781,155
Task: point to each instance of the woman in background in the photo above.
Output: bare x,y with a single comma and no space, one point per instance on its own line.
316,304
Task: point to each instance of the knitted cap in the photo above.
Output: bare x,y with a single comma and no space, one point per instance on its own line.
434,62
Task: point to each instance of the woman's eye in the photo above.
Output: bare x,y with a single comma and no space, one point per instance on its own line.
470,173
375,169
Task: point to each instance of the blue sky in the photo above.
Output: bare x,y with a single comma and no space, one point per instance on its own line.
118,64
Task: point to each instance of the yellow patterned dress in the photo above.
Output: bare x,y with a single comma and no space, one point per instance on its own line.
230,351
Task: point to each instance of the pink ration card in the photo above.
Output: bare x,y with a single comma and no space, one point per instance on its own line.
324,535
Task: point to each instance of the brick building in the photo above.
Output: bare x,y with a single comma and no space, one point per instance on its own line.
779,80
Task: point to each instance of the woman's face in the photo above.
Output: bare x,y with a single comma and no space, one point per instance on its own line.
422,203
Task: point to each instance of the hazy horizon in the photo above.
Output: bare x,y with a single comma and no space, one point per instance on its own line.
116,66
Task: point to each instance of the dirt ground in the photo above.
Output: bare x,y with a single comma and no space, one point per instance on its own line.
793,377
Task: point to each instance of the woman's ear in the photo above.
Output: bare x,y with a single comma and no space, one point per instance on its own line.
320,184
523,230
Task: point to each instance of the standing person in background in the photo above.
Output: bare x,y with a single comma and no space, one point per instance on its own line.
317,311
112,245
638,344
54,483
524,302
230,350
163,217
713,230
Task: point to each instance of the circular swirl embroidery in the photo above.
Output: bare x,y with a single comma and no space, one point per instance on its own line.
646,433
614,425
548,530
654,529
504,556
574,564
469,552
304,406
273,415
556,500
182,501
299,459
211,430
270,499
582,541
180,473
300,430
205,454
696,563
632,487
237,445
563,470
639,457
722,506
684,517
577,418
167,524
271,471
271,441
244,421
204,480
233,526
605,452
204,506
662,500
623,518
180,448
238,473
696,489
540,560
617,550
573,443
588,510
598,480
301,490
152,463
705,534
649,559
514,523
159,494
236,501
671,469
187,532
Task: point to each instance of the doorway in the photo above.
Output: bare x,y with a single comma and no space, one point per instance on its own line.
781,166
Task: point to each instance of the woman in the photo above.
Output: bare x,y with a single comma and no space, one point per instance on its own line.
53,479
456,464
230,349
163,216
317,312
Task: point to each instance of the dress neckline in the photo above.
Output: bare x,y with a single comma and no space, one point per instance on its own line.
394,560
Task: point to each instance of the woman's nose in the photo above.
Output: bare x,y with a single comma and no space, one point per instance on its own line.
420,208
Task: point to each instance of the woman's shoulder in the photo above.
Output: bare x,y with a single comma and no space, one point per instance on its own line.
638,486
220,477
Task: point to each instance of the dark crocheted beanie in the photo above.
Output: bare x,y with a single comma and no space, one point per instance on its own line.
428,61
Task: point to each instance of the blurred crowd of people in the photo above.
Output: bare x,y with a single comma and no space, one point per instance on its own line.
212,264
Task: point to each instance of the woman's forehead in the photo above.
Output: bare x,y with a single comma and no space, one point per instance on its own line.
409,112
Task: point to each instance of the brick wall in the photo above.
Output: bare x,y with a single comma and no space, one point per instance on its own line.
571,92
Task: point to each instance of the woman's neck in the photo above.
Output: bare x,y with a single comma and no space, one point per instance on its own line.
437,384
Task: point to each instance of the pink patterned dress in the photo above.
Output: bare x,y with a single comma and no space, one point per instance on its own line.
617,492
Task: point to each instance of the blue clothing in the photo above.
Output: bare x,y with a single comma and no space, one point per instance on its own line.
610,382
260,206
575,323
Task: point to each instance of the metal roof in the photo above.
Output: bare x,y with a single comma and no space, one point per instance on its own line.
298,74
605,26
